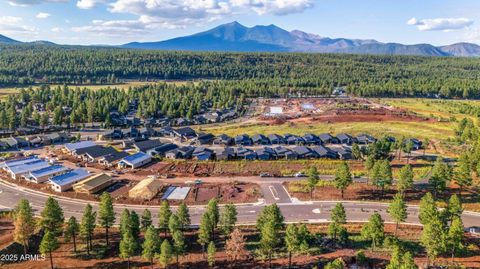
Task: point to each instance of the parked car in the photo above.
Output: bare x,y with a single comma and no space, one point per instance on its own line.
265,174
299,174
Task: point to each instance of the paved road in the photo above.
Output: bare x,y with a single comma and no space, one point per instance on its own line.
294,211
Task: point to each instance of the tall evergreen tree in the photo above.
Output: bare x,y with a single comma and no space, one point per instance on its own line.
87,226
151,244
405,179
166,253
128,246
398,210
71,232
455,236
183,215
178,244
106,214
373,230
312,180
228,218
146,219
343,177
269,239
49,244
24,223
164,216
52,218
211,250
292,242
214,214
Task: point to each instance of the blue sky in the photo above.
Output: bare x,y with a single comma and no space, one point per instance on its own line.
438,22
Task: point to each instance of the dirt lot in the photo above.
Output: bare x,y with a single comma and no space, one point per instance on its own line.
310,110
64,257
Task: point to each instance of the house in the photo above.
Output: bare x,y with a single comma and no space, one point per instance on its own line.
311,139
265,153
36,141
72,147
93,184
204,139
17,171
223,139
345,139
275,139
10,163
245,154
285,153
65,181
293,140
166,131
131,132
324,152
224,154
162,150
327,139
146,132
304,152
111,134
136,160
93,154
343,153
112,159
180,153
16,142
259,139
146,145
417,144
146,189
182,122
185,133
243,140
44,174
202,154
365,139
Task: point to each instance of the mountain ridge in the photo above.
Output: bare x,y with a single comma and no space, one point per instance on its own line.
235,37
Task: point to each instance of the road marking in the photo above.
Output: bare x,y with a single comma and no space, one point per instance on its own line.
289,197
274,192
317,211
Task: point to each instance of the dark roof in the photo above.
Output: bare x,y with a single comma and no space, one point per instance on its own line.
207,136
323,151
147,144
301,150
344,136
324,137
166,147
97,151
115,156
274,136
186,131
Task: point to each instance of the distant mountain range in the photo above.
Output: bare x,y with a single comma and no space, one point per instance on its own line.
236,37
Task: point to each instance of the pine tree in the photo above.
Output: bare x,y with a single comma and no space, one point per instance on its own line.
106,214
24,223
398,210
433,238
128,246
269,239
71,232
214,214
146,219
178,244
405,179
164,216
228,218
48,245
439,177
292,241
211,250
336,264
338,217
166,253
270,213
87,226
183,216
204,232
52,218
343,177
374,230
125,221
428,209
382,174
356,153
173,224
455,236
463,174
134,224
151,244
313,178
454,208
408,262
235,246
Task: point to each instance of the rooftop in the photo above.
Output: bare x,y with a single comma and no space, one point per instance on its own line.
73,176
136,158
79,145
36,165
49,170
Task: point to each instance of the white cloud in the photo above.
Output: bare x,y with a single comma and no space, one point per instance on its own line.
275,7
56,29
42,15
26,3
170,14
13,25
88,4
440,24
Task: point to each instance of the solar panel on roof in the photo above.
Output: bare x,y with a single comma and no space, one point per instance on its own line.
49,170
29,167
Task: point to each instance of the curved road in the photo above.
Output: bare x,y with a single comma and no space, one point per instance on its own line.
293,210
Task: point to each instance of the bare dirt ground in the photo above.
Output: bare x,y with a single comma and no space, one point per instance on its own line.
6,232
65,258
310,110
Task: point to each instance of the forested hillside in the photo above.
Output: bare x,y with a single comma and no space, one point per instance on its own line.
255,74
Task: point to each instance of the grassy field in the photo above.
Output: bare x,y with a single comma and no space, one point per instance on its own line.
419,130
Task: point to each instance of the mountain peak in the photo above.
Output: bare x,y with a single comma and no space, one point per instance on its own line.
8,40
